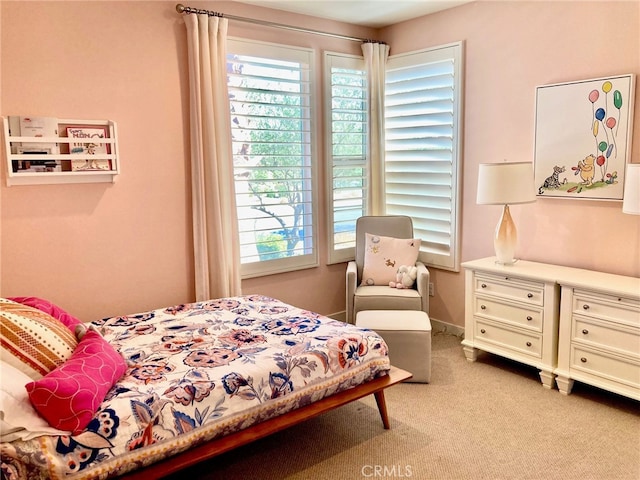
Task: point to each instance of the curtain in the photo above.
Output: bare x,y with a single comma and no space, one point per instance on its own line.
215,228
375,58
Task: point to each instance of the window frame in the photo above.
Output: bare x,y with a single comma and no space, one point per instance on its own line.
243,46
433,259
347,61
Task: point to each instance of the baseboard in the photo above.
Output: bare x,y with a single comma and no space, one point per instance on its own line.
437,326
342,316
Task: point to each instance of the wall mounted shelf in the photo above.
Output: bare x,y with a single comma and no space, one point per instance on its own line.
68,151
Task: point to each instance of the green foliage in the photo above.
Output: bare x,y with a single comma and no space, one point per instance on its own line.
270,246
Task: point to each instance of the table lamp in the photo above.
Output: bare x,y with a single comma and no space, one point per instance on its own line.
505,184
631,199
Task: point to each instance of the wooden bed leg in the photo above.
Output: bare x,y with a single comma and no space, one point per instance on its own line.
382,407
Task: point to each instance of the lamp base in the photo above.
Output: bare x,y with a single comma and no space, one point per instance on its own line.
505,239
506,264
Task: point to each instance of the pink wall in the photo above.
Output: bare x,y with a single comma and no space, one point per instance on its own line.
106,249
99,249
510,49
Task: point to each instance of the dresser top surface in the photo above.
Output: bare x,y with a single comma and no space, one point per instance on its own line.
566,276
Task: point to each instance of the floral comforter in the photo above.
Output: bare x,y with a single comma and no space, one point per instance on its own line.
201,371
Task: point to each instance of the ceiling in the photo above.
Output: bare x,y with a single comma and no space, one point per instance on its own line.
371,13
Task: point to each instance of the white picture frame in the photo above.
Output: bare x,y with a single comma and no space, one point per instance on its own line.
583,132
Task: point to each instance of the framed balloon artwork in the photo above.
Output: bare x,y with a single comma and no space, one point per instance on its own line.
583,133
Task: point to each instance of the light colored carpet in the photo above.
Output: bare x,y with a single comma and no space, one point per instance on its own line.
490,419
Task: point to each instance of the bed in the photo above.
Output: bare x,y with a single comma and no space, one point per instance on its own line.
185,383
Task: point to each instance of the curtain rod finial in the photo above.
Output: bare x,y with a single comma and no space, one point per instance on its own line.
179,8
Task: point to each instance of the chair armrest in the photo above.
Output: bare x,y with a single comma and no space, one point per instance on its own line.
422,284
352,283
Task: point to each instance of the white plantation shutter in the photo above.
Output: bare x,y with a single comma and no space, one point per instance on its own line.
422,117
346,89
270,102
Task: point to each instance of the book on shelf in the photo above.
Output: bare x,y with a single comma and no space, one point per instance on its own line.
36,127
36,166
89,143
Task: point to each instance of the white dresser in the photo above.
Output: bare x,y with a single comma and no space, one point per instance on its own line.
599,338
571,324
512,311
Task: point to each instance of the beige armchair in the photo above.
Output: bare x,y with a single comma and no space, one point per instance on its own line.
361,297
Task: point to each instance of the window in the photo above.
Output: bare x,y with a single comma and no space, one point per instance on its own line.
270,103
346,87
423,138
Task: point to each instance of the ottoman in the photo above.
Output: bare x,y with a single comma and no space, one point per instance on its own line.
408,336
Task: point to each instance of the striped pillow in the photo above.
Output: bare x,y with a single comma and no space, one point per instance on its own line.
33,341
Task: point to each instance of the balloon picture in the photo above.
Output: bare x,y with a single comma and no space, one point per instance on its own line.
571,162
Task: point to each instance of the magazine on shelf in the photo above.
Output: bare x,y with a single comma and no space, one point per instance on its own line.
37,127
89,143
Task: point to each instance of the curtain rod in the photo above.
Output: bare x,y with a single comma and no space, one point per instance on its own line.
182,9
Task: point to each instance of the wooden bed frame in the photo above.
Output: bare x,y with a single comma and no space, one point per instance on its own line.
229,442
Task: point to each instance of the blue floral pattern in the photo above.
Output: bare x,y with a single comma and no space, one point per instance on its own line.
205,369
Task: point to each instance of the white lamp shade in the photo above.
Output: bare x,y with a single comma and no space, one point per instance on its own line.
506,183
631,199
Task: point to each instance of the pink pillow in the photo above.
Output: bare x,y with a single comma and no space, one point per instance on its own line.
69,396
46,306
384,255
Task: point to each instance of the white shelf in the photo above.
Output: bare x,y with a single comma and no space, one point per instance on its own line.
64,161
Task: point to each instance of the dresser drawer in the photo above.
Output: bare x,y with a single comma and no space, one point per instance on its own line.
489,333
607,307
613,367
522,315
510,288
622,338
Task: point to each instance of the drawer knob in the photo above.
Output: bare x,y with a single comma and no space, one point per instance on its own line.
528,344
585,307
482,330
483,307
529,295
484,285
529,318
585,332
583,360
